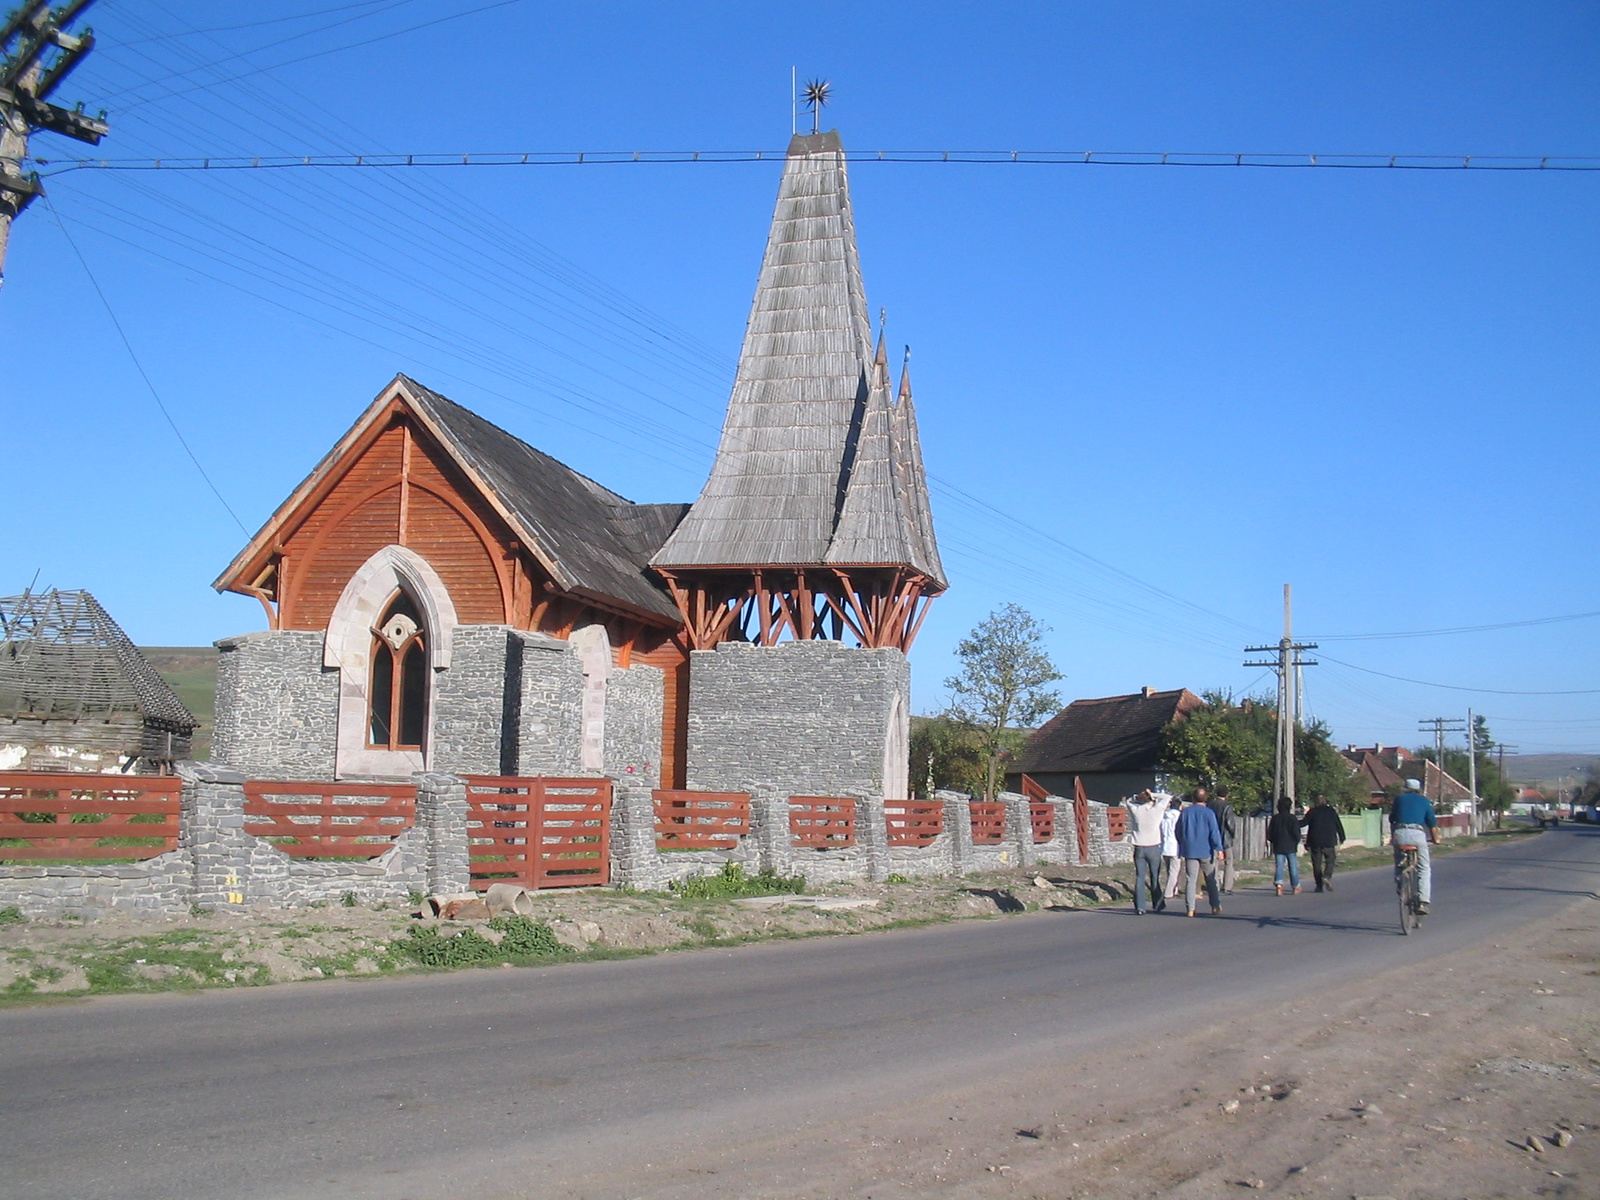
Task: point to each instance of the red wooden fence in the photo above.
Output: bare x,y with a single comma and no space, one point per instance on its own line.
541,833
1041,812
1117,823
1080,818
701,820
70,816
823,822
914,822
314,819
988,822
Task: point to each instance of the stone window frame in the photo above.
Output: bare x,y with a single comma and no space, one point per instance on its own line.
347,646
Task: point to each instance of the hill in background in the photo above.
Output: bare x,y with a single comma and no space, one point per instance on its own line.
1551,770
192,672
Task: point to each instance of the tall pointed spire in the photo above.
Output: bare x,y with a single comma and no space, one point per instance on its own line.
777,485
908,459
815,513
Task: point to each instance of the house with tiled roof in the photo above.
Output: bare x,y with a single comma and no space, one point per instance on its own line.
1111,743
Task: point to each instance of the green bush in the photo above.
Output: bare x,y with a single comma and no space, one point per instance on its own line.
522,938
733,882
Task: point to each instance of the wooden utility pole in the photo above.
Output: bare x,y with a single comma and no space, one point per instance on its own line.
1472,768
36,54
1289,668
1440,727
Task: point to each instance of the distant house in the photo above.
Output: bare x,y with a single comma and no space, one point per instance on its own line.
1386,768
1112,743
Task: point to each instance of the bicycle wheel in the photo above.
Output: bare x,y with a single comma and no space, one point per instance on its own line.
1407,893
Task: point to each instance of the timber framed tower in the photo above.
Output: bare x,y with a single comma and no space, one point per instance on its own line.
815,522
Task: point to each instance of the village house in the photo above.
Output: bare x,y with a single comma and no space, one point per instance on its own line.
1112,744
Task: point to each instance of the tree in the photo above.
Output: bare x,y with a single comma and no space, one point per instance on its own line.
1233,745
1003,682
945,753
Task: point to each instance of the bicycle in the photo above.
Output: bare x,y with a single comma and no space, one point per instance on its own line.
1409,889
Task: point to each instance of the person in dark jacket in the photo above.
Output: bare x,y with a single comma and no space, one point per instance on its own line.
1228,823
1283,835
1324,835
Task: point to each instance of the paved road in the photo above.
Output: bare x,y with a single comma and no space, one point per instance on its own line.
504,1082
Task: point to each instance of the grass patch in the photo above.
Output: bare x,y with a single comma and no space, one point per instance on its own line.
11,915
522,940
732,883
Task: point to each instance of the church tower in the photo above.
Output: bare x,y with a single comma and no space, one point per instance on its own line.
814,523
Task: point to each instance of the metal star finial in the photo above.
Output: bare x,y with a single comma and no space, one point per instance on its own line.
818,93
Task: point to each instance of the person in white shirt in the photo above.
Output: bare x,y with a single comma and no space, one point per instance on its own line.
1144,831
1169,852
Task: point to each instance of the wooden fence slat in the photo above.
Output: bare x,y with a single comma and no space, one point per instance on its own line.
353,820
64,795
823,822
988,822
540,832
913,822
701,820
1042,816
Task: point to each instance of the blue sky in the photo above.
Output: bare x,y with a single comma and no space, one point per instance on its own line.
1183,387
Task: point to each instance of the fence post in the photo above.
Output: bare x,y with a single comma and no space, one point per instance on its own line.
211,829
1019,826
442,813
958,824
1066,825
872,834
773,847
635,861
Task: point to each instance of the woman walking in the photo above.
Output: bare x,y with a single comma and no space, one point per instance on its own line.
1283,835
1169,851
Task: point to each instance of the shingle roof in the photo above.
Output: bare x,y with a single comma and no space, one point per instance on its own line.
598,541
594,542
1113,733
810,469
62,656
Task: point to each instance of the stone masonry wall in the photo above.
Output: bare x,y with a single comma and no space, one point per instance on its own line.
277,706
474,726
634,699
796,719
546,679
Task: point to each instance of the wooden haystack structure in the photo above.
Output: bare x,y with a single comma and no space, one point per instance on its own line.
815,521
75,693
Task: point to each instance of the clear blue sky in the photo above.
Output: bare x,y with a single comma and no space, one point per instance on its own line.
1380,387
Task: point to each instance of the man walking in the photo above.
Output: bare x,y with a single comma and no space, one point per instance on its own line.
1324,833
1199,841
1412,823
1169,851
1228,824
1144,821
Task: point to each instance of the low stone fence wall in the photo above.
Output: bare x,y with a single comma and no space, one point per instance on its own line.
218,864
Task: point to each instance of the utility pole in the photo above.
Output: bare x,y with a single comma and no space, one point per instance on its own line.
36,54
1440,727
1472,768
1288,665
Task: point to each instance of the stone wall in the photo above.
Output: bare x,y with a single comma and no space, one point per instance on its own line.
277,706
474,720
634,699
796,719
546,679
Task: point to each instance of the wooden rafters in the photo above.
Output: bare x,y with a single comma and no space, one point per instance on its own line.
879,607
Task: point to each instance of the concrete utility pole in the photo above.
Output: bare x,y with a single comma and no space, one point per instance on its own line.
36,54
1440,727
1289,668
1472,767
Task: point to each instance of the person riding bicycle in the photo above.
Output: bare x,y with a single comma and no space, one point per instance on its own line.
1412,823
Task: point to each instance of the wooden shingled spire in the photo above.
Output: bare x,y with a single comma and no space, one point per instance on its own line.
815,520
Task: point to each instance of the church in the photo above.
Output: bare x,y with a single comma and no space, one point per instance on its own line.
442,597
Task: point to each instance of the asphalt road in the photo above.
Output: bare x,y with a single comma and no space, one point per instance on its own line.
504,1082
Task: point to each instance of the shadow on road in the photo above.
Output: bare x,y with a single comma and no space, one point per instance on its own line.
1552,891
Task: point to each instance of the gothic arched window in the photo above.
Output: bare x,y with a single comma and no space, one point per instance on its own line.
399,693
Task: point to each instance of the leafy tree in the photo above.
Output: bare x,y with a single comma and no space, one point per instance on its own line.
946,753
1234,745
1003,685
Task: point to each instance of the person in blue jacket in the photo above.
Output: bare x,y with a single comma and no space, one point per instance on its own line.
1199,841
1412,823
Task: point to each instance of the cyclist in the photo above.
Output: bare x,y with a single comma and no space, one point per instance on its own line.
1412,823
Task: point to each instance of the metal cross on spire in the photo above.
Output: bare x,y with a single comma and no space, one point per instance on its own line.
818,93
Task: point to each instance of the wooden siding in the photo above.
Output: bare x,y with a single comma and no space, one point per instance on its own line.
362,512
673,660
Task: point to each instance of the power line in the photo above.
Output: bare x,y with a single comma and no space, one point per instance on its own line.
1092,158
1458,688
1416,633
139,366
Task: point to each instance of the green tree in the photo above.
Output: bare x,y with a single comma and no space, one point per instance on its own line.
945,753
1003,684
1234,745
